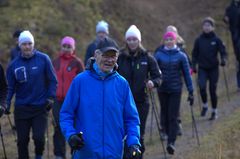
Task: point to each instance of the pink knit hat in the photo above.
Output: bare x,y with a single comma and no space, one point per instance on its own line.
68,40
170,34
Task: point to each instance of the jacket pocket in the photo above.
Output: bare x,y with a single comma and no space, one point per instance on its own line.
21,74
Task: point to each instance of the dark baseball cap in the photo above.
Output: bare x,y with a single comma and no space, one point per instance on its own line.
106,45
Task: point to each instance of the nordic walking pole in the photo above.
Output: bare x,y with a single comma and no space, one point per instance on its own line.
157,121
3,145
198,94
226,83
151,126
194,124
48,156
12,127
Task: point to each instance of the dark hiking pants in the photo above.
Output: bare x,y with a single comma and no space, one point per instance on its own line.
212,76
58,138
170,107
143,109
27,118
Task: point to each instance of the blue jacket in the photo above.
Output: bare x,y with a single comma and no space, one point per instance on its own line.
33,80
104,110
173,64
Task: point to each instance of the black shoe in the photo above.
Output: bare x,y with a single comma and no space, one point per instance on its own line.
204,111
213,116
171,148
180,129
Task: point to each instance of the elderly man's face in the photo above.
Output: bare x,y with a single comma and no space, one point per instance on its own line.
106,61
27,49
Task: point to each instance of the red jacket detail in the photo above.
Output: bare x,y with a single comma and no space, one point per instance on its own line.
67,66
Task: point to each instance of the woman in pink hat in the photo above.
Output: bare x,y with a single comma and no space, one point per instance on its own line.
173,64
67,65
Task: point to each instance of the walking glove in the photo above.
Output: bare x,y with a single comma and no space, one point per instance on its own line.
76,141
133,152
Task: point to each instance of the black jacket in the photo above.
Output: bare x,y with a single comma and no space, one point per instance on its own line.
3,87
137,70
206,49
232,12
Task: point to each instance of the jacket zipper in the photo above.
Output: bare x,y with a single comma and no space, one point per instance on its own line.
132,70
63,79
103,118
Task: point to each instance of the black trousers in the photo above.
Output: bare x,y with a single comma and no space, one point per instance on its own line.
58,138
236,48
212,76
143,109
170,107
27,118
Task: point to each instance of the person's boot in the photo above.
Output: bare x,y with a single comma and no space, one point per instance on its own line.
171,148
213,116
204,111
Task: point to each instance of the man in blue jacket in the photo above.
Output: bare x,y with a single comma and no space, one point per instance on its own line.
31,76
100,105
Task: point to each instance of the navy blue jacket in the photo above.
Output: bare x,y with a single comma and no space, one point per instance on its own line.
173,64
33,80
206,49
90,50
180,46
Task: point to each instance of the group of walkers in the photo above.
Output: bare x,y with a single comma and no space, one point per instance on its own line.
100,106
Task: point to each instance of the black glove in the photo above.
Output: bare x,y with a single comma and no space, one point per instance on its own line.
49,104
133,152
190,98
2,110
223,62
76,141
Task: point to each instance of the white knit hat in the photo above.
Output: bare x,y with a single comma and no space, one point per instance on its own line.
133,31
25,36
102,26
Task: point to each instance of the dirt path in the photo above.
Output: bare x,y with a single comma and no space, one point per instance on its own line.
187,143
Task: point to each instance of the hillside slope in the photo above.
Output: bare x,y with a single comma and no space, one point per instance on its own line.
51,20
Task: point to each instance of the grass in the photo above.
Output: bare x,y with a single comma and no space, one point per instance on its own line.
222,142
